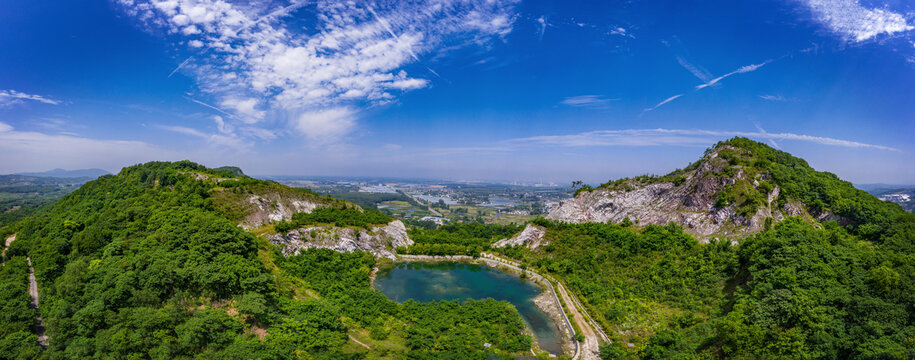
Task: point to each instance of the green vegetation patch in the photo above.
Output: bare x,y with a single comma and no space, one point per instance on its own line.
795,291
348,216
457,239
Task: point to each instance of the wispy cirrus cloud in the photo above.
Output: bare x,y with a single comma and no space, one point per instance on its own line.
697,71
589,101
771,97
677,137
665,101
741,70
711,82
13,97
682,56
542,24
854,22
258,64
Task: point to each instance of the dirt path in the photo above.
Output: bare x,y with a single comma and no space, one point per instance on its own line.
33,293
359,342
9,241
590,346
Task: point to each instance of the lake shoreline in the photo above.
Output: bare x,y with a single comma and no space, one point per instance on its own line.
546,301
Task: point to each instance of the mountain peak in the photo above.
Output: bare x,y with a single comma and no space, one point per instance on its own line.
738,187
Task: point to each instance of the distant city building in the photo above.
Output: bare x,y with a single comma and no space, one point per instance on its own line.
435,219
896,198
377,189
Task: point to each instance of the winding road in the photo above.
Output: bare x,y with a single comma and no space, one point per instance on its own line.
590,347
33,293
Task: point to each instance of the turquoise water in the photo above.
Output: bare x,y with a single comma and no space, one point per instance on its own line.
451,281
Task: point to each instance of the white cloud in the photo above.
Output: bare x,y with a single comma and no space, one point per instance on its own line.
260,65
327,125
184,130
621,31
740,70
12,97
698,71
855,22
776,97
246,108
181,65
665,101
223,139
679,137
259,133
541,21
587,101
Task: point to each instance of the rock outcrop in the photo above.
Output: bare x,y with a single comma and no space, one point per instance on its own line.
689,198
531,236
380,240
275,207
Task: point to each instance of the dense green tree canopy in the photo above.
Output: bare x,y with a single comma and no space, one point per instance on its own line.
143,265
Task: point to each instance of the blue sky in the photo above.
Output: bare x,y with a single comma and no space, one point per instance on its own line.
457,89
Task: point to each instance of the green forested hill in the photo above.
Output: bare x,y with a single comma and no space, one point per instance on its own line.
800,290
145,264
150,263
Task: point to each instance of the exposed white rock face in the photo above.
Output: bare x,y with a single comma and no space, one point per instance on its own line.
531,236
380,240
275,207
690,204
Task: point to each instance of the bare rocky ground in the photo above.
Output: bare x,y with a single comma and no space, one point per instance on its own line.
380,240
690,204
531,236
275,207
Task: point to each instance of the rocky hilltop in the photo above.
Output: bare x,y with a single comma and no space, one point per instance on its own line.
379,240
735,189
256,204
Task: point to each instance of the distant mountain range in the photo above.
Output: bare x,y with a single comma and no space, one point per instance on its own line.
61,173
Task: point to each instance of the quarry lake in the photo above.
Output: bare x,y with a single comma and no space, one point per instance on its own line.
453,281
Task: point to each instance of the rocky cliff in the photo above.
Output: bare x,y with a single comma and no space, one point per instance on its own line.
724,194
531,236
379,240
